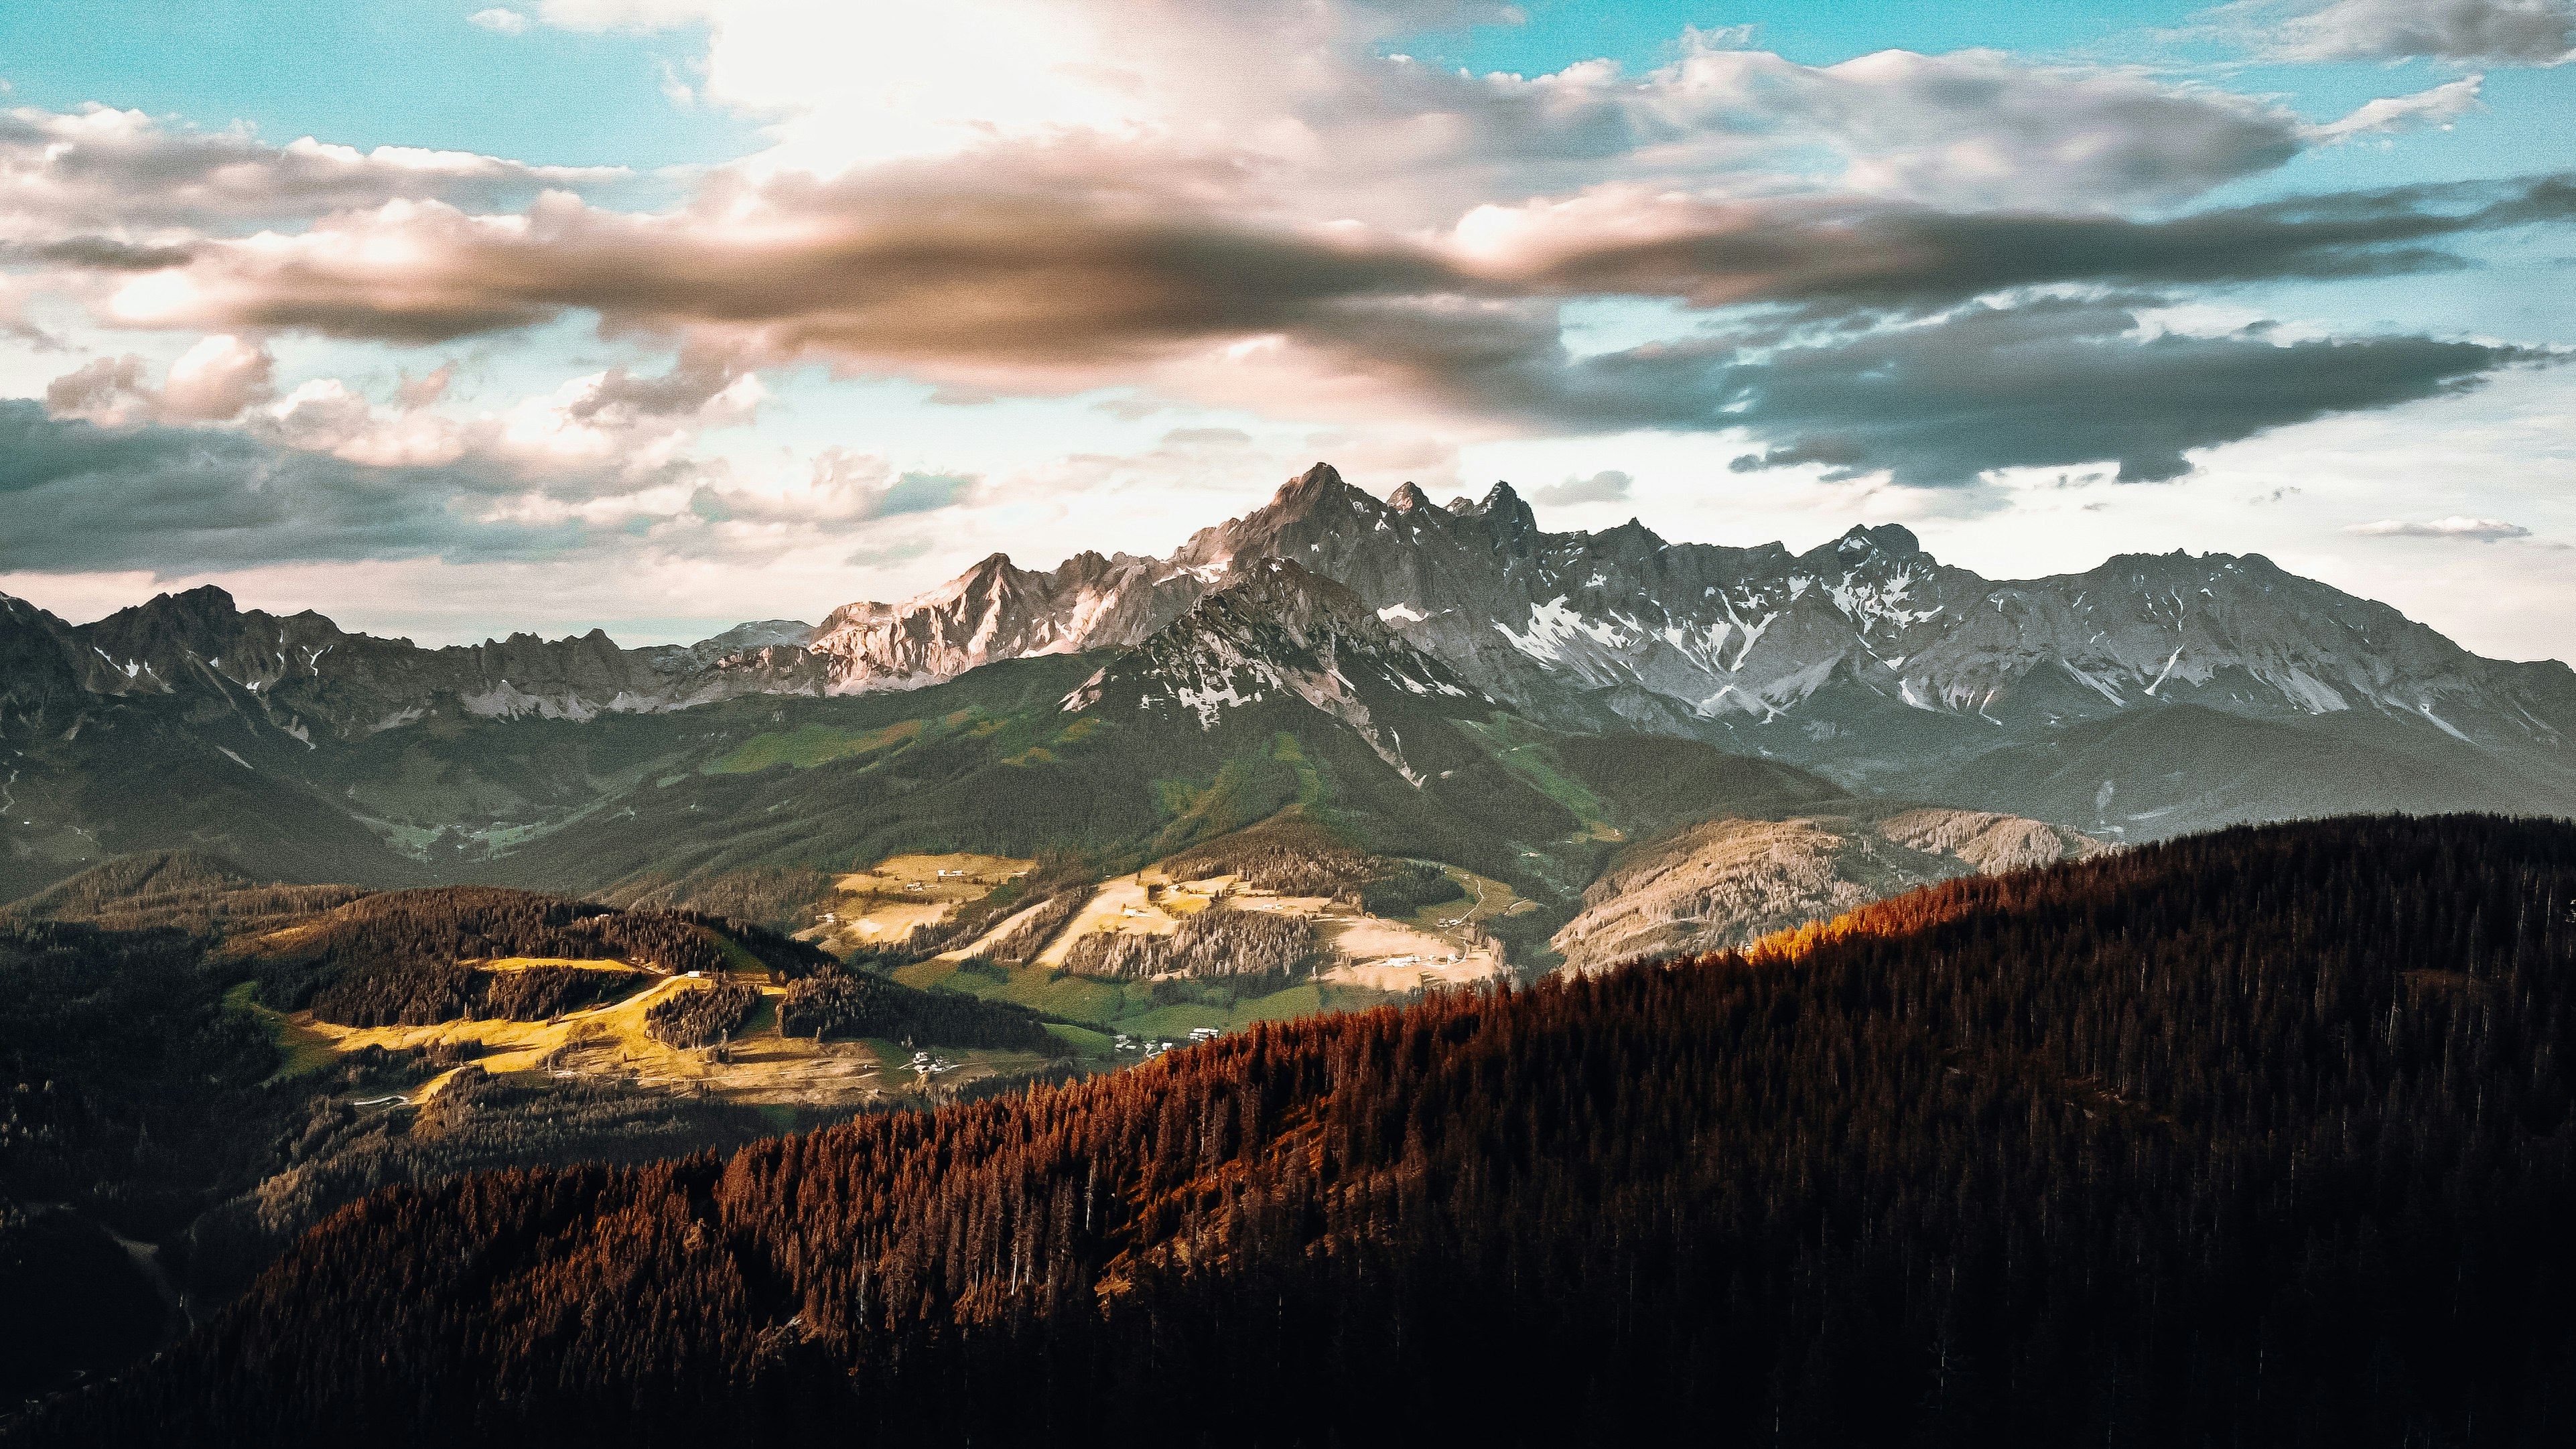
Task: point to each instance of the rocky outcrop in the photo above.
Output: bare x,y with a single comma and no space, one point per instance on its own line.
1723,884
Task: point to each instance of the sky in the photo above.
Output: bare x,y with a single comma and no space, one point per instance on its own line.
452,320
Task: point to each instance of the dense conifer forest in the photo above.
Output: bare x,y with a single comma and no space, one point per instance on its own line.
703,1017
403,957
842,1003
143,1096
2262,1137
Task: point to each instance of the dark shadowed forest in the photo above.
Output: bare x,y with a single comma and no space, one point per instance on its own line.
402,957
2262,1137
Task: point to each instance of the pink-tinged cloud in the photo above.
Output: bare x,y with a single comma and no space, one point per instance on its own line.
126,173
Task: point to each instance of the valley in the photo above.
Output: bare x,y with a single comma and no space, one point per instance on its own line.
1625,1164
406,915
1389,659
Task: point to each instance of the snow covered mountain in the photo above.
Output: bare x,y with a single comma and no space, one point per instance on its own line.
1270,631
2149,695
1866,657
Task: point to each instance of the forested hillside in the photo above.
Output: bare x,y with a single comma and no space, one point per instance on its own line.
147,1094
2255,1138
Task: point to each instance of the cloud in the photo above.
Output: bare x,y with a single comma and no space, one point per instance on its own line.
212,382
842,488
217,378
2475,530
505,22
1841,252
2389,115
179,500
1607,486
2047,385
2496,32
13,317
703,384
414,393
1030,288
922,493
98,169
1329,118
1101,195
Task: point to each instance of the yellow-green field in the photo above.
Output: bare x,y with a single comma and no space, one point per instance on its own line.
301,1049
883,903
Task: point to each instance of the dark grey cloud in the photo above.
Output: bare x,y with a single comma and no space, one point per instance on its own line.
189,500
923,493
2052,383
1836,255
98,254
2059,385
2494,32
1004,283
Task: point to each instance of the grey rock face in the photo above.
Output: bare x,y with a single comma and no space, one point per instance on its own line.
1273,630
1582,628
1866,657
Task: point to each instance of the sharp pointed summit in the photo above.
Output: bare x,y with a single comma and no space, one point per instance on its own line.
2145,697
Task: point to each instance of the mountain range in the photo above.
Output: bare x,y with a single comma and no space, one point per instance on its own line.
1432,644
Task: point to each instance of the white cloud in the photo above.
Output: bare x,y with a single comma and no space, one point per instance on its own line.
217,378
212,381
505,22
2439,107
2476,530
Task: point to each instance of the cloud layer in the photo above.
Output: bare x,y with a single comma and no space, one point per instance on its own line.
2499,32
1925,271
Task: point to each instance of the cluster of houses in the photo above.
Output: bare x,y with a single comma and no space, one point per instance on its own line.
1155,1046
930,1066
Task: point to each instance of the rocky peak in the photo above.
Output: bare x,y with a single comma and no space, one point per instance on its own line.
1859,542
1408,499
1275,632
1321,496
1632,539
1504,506
757,634
1274,589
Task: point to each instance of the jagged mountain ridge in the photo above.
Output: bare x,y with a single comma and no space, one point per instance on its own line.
303,673
1275,629
1579,629
1865,657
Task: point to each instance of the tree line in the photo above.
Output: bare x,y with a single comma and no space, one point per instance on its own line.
404,957
701,1016
861,1004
